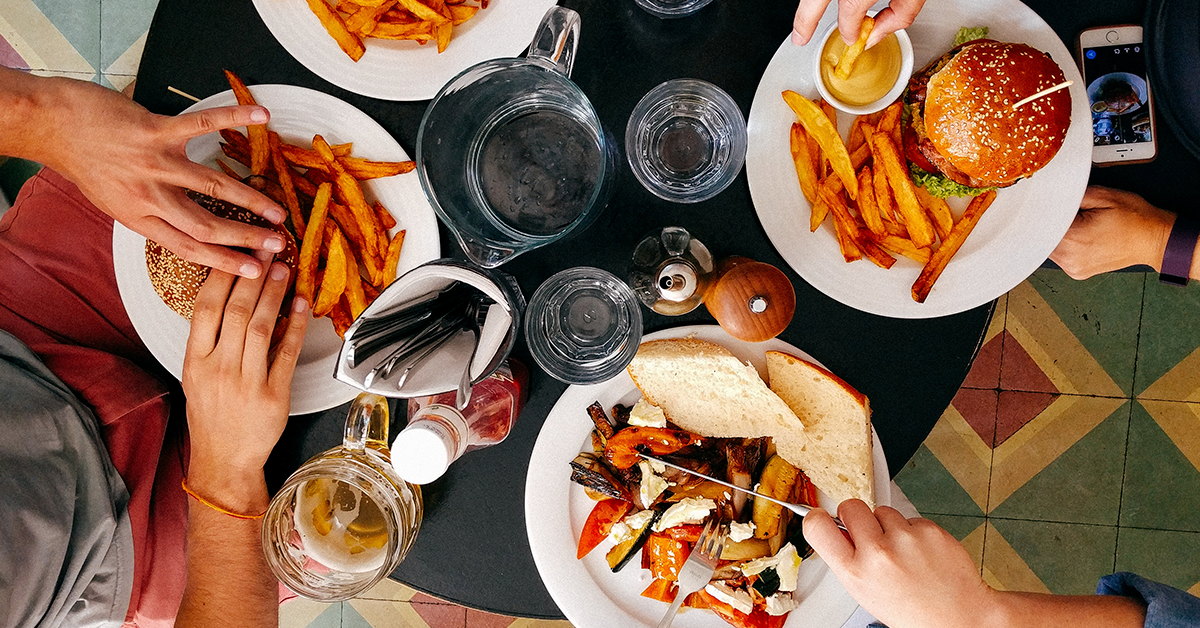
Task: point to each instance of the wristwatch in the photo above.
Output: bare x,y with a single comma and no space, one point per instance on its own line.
1177,258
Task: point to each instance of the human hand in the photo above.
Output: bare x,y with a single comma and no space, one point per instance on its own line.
908,573
132,165
238,396
1114,229
898,14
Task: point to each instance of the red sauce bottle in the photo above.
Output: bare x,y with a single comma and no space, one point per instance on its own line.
438,433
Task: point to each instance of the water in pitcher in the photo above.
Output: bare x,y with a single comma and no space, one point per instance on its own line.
538,170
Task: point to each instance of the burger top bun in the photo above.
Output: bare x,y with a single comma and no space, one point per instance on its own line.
970,119
177,281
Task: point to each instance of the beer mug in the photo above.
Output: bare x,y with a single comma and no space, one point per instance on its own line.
511,153
344,520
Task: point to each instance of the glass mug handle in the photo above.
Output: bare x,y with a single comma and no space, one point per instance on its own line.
367,423
556,40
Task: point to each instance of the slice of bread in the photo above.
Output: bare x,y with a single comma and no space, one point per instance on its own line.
835,448
703,388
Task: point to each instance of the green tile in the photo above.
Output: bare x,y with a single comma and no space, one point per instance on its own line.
1162,488
1172,558
1068,558
79,23
958,525
352,619
1103,312
122,23
932,489
1083,485
1169,331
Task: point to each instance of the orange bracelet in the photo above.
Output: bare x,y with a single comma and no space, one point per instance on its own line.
215,507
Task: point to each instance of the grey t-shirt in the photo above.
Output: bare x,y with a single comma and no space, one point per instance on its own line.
66,545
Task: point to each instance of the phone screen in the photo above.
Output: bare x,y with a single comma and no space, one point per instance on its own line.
1118,94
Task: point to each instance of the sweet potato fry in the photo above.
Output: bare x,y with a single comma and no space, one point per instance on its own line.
260,152
283,175
393,258
826,135
336,27
412,30
939,212
333,284
364,20
229,171
385,217
360,169
351,195
941,257
802,158
339,315
887,158
310,246
903,246
422,11
866,202
355,297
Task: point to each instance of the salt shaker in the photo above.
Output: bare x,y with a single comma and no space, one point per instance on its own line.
438,433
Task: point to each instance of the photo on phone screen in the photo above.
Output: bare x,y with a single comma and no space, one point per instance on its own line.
1118,94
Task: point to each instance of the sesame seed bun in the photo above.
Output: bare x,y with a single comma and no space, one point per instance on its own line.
177,281
969,118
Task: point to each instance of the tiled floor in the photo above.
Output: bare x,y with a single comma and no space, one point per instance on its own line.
1072,450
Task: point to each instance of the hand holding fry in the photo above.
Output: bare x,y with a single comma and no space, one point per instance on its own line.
898,14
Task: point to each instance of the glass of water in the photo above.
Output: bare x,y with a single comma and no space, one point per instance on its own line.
686,140
583,325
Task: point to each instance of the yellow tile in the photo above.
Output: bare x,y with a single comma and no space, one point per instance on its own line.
37,40
300,612
1003,567
1181,423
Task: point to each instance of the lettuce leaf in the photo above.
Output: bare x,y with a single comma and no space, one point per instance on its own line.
940,186
970,33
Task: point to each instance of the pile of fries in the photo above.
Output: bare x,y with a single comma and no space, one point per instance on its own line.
864,184
417,20
347,256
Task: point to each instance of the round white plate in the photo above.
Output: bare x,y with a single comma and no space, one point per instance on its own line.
296,114
587,591
403,70
1016,234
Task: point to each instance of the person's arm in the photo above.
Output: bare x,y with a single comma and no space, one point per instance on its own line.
910,573
238,399
898,14
132,164
1113,230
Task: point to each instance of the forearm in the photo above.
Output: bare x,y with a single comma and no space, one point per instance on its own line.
29,110
1037,610
228,581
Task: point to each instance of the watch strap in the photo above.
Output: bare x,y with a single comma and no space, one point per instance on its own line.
1177,258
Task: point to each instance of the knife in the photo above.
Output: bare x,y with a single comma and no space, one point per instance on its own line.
799,509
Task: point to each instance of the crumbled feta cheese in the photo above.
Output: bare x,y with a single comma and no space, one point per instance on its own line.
624,529
786,563
652,484
739,532
647,414
781,604
688,510
737,598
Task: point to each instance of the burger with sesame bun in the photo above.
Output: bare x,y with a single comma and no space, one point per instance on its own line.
177,281
965,137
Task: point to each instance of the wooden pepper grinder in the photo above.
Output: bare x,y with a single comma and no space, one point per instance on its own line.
751,300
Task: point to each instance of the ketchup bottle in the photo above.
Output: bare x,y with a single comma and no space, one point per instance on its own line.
438,433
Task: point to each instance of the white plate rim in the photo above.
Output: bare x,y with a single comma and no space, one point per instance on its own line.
1012,239
553,534
403,70
295,111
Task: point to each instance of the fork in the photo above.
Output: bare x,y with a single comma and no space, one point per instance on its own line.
699,567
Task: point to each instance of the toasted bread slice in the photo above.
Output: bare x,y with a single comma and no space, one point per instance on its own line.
835,448
703,388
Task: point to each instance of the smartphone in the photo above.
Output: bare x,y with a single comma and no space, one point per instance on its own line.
1114,69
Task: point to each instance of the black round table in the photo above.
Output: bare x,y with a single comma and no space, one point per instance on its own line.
472,548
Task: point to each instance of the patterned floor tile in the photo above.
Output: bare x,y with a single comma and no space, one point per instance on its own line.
52,34
123,28
1081,485
985,370
302,613
1168,355
1046,557
1040,340
1171,558
382,614
389,589
480,619
1162,474
949,473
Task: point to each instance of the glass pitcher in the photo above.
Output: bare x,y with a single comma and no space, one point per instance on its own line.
344,520
511,153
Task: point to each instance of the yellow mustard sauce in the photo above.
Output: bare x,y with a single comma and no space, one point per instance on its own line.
874,74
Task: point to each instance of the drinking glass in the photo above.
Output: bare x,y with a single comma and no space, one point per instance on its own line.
672,8
511,153
583,325
686,140
344,520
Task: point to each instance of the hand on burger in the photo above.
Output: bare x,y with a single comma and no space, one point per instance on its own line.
132,165
1114,229
899,14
